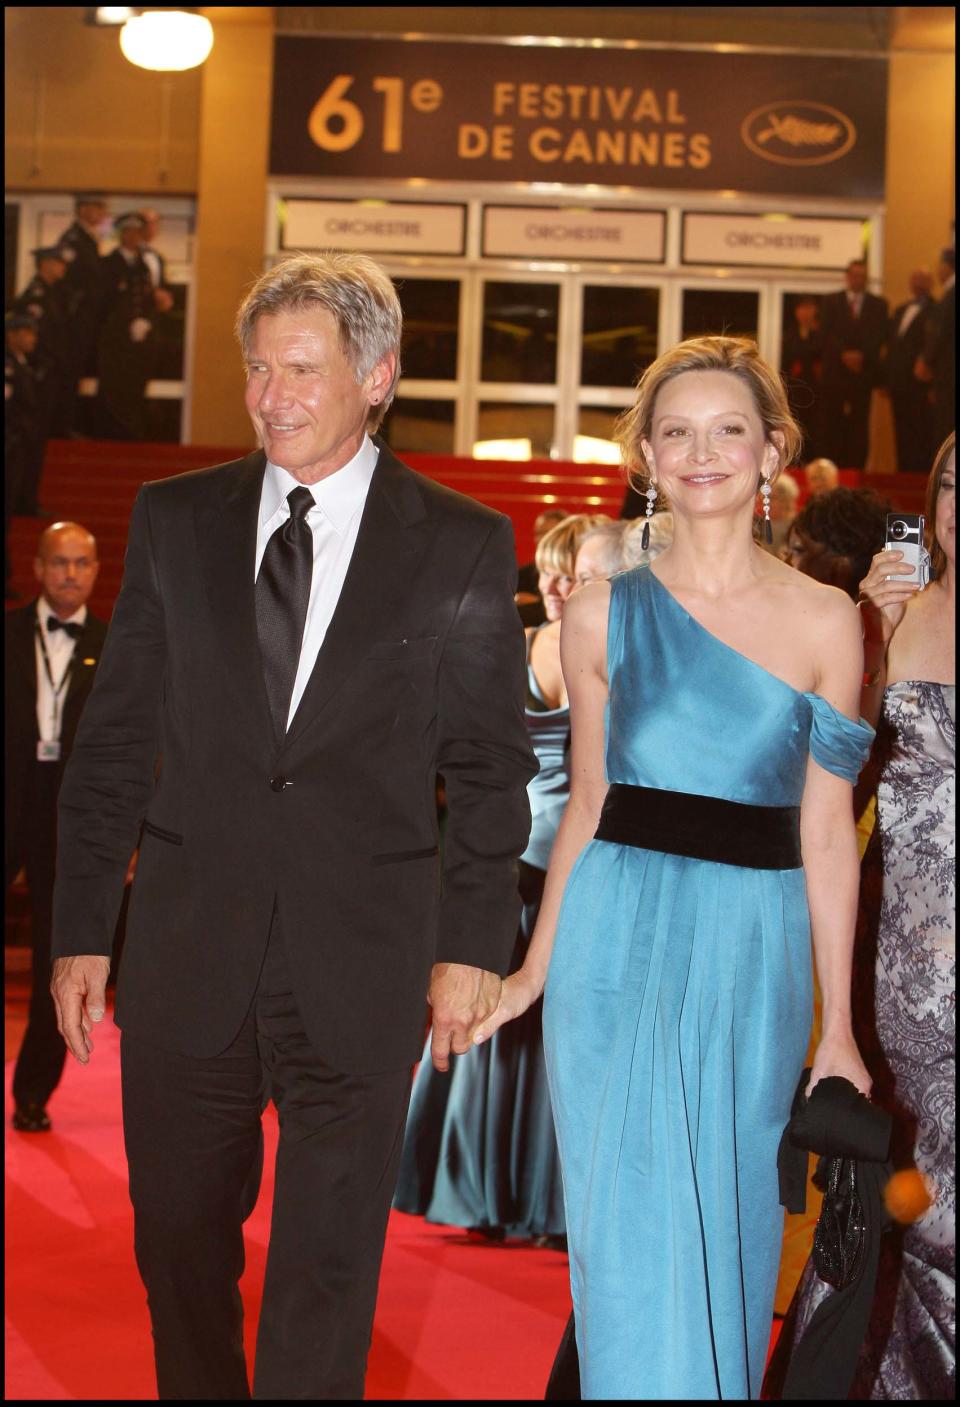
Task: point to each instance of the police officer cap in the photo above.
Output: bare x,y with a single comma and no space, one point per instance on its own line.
130,221
16,322
89,198
48,251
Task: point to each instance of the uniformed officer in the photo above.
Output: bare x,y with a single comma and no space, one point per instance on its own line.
80,245
23,437
128,309
45,300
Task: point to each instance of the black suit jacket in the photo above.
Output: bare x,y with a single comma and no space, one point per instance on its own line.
21,734
940,354
902,352
841,332
421,670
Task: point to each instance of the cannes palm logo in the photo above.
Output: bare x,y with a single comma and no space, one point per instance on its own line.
798,133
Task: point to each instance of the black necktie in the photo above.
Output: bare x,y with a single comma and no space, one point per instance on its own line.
282,597
73,627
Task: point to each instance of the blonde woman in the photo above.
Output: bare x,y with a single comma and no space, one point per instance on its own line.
714,698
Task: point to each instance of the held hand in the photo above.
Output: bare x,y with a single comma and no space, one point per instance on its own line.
884,595
838,1055
79,994
517,995
461,997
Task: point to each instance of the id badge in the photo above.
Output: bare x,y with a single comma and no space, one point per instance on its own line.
48,752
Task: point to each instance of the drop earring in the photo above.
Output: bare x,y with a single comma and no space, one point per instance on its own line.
765,492
651,500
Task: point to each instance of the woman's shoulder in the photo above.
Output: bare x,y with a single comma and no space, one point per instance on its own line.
821,606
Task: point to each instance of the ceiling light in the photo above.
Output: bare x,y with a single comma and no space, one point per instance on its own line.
167,40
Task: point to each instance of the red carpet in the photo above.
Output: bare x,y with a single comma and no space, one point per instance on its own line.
455,1320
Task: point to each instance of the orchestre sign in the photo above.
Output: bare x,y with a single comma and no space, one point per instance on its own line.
372,227
547,232
759,240
681,119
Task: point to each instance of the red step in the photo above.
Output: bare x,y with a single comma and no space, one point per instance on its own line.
95,483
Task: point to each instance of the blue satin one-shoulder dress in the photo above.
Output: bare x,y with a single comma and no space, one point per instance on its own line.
677,1015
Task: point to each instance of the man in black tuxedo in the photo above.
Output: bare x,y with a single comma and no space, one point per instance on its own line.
853,333
289,913
51,650
909,395
937,363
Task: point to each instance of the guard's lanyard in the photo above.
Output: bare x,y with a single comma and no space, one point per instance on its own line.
57,688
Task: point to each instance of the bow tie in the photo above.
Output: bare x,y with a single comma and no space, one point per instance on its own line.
73,627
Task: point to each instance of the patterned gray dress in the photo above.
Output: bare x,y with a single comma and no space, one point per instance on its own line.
904,975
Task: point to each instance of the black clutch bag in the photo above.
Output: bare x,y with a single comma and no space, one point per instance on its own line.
840,1235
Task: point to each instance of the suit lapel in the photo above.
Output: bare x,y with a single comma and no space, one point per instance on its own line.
392,534
227,545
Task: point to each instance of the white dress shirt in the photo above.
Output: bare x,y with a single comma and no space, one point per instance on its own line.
910,312
334,522
59,647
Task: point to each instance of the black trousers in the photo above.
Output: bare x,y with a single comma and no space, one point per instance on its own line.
913,427
846,423
42,1052
194,1149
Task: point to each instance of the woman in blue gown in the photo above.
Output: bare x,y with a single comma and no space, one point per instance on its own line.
714,737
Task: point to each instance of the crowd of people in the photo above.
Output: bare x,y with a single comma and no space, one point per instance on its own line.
670,761
83,314
838,349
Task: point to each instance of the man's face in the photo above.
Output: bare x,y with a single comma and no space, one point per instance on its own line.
131,237
857,278
920,283
23,341
51,270
92,212
303,396
805,314
66,569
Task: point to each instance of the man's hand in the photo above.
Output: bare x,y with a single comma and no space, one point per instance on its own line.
461,997
79,989
852,360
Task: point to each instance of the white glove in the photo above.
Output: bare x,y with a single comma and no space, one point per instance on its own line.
140,329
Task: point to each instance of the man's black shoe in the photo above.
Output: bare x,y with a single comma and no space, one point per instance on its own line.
31,1118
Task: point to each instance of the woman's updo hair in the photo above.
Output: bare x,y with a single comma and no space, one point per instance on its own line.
557,550
738,355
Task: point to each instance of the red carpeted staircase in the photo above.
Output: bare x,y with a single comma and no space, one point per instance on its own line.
95,483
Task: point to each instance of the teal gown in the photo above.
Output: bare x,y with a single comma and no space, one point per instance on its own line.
676,1020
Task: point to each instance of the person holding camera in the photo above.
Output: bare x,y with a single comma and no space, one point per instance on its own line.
904,964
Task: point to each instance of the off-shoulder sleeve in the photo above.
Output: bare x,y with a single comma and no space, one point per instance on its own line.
837,743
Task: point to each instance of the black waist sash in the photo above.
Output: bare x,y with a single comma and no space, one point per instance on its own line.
702,827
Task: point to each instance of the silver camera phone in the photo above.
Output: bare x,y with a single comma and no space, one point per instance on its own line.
905,534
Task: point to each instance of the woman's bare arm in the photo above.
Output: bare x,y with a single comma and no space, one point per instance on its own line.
583,651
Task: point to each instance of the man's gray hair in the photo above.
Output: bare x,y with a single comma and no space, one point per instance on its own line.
354,290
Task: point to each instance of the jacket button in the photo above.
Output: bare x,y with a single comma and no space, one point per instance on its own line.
278,783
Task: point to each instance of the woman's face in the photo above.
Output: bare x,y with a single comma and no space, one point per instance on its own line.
555,587
946,524
707,446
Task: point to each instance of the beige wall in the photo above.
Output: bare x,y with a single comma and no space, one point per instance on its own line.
231,213
79,116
